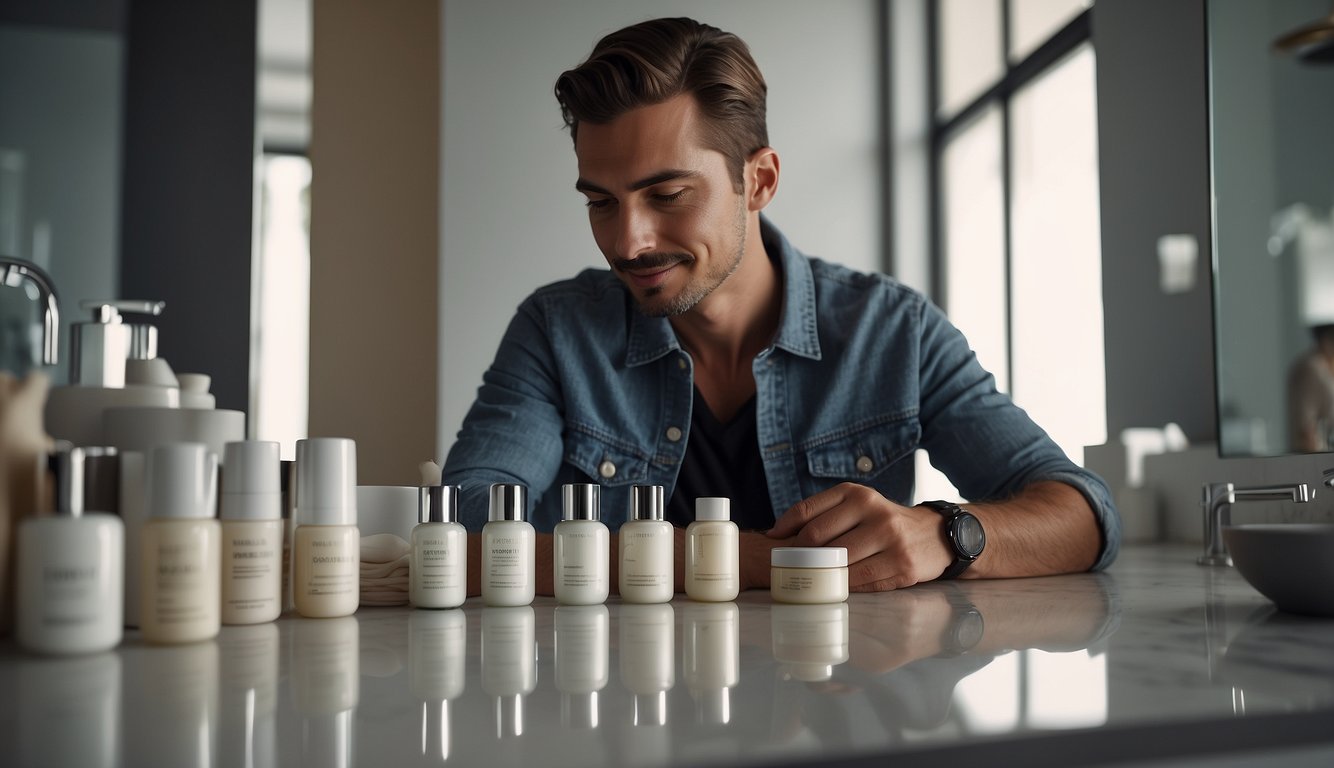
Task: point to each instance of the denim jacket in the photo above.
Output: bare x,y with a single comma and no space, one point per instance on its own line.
862,372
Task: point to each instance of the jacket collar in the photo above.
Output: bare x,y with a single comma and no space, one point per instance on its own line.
652,337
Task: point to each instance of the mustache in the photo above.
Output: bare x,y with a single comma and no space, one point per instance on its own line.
651,261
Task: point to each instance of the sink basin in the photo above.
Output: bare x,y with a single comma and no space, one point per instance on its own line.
1291,564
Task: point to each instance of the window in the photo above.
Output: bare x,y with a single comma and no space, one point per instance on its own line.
1017,240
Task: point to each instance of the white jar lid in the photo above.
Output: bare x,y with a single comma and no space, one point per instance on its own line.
251,488
183,481
808,557
326,481
713,508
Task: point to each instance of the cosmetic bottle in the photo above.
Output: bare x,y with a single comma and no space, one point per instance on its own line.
181,550
508,549
646,544
581,548
70,568
582,637
326,559
438,571
808,574
252,533
713,556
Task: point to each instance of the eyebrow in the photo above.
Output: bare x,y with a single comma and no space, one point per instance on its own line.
583,185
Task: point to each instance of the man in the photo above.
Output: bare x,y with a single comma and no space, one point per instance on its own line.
1311,393
715,360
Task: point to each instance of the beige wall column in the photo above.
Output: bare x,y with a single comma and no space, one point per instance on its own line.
375,151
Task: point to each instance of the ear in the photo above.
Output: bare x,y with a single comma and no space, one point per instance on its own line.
761,178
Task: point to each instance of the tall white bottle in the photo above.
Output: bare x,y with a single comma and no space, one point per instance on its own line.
508,553
326,552
438,570
581,550
646,546
70,570
252,533
180,571
713,555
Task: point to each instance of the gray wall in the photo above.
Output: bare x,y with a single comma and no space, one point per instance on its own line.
510,218
1154,166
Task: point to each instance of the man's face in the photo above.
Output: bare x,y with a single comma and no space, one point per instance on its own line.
662,206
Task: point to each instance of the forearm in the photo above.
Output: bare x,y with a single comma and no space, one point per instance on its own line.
1047,528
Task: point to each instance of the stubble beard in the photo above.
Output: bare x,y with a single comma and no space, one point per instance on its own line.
694,292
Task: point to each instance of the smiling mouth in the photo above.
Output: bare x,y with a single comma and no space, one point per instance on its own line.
649,278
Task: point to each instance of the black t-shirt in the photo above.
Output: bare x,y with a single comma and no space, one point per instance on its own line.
723,460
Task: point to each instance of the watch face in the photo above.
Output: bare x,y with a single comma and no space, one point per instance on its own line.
968,535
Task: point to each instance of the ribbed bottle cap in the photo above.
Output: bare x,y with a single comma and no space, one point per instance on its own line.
326,481
646,502
581,501
67,465
251,483
508,502
183,481
808,557
438,504
713,508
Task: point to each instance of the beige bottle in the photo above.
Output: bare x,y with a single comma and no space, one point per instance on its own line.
179,570
326,557
713,555
252,533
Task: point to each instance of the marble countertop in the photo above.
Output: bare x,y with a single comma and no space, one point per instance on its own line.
1157,658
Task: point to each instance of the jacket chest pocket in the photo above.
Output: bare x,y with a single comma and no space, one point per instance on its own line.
605,462
864,455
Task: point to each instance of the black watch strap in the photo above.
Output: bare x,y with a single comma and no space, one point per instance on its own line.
965,545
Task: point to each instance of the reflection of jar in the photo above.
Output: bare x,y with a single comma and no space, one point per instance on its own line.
249,704
175,721
326,687
711,661
810,640
581,662
70,713
648,664
809,574
437,655
509,663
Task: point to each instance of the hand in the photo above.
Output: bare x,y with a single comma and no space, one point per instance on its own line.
890,546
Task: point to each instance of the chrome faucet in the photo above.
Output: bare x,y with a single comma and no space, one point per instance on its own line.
12,272
1218,501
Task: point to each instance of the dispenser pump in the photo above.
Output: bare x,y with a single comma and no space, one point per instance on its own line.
99,347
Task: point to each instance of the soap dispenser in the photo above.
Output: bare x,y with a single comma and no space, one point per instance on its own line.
100,347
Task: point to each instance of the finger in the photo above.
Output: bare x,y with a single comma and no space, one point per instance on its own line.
834,524
806,510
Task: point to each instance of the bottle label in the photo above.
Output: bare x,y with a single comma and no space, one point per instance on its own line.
646,556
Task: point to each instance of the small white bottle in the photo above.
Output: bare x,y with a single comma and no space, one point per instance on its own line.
581,548
326,553
70,570
646,544
508,549
438,571
180,571
713,555
252,533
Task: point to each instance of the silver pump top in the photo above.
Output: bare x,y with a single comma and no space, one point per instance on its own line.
438,504
646,502
508,502
67,465
581,501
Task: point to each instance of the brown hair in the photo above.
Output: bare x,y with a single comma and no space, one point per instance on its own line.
653,61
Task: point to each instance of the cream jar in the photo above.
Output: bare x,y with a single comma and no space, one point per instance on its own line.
808,574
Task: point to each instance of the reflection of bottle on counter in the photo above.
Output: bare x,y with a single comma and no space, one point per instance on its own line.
248,664
648,659
70,713
437,664
581,662
325,682
810,640
509,663
711,661
174,722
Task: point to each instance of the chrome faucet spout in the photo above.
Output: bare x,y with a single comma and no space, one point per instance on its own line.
12,272
1218,501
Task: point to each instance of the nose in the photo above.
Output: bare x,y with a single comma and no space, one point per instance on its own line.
634,231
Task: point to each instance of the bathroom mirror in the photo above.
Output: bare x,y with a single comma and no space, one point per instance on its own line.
1272,151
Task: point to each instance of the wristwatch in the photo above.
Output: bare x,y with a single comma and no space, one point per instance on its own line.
964,632
963,532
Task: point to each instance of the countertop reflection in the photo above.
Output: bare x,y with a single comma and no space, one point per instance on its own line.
1156,657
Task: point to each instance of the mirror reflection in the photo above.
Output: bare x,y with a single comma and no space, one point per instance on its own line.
1271,83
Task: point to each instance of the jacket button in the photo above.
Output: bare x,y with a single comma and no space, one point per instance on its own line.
864,464
607,469
674,434
681,363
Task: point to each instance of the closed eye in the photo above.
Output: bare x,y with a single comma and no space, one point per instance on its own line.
669,198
